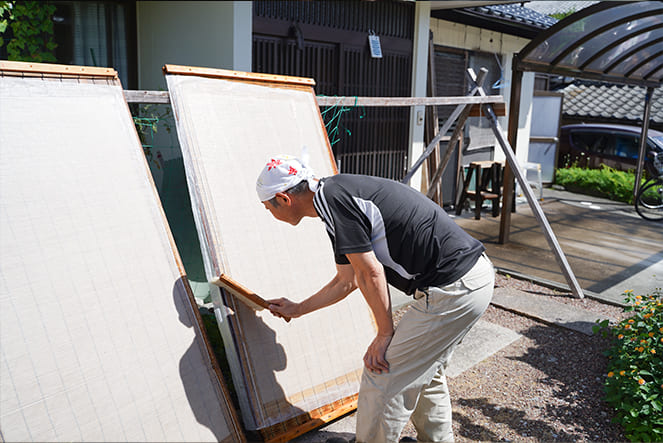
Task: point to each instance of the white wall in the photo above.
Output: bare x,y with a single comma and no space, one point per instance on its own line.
471,38
210,34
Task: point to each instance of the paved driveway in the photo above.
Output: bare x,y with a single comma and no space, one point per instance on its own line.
608,246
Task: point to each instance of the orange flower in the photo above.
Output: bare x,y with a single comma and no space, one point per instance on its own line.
640,349
622,373
610,374
638,297
627,326
643,341
651,334
653,351
630,320
620,336
641,381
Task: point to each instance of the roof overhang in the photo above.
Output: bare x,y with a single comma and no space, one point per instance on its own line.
616,42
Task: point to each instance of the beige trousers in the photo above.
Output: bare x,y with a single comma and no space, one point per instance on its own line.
415,387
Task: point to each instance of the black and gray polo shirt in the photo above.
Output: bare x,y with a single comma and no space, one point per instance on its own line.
418,244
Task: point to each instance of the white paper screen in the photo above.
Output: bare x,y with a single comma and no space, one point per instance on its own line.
98,338
228,130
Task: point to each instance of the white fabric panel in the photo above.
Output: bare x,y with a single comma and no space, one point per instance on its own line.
228,129
98,339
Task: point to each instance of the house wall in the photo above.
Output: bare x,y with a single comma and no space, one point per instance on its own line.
194,33
471,38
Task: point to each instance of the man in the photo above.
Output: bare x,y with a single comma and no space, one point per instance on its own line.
386,232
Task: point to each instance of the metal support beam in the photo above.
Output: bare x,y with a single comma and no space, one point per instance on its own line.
455,137
531,199
507,190
643,140
447,125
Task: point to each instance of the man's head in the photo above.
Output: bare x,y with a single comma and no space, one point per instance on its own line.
283,187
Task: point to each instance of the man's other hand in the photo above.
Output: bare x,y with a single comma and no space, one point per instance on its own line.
374,359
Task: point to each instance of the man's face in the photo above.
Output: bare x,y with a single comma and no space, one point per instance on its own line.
283,211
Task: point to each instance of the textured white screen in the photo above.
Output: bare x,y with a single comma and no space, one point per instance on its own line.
97,335
228,130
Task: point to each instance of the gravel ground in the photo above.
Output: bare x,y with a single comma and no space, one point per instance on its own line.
545,386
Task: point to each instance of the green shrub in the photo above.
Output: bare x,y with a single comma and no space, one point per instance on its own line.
604,182
634,383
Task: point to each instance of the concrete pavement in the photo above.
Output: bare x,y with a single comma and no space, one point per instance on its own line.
608,246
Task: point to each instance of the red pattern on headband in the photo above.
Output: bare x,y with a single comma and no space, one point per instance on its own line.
292,171
273,164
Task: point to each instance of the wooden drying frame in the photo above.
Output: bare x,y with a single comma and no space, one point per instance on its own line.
55,71
291,428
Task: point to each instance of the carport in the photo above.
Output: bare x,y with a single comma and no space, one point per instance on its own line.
616,42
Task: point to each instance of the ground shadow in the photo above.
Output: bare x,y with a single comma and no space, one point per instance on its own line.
579,404
570,369
575,410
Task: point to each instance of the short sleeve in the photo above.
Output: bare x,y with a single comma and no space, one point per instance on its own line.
352,229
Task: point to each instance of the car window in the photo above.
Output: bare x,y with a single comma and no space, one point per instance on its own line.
606,143
593,142
627,146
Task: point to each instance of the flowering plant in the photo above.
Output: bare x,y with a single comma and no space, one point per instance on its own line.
634,383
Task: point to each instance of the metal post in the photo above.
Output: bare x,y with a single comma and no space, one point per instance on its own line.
643,140
514,115
533,203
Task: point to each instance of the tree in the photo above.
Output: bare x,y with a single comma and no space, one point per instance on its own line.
29,28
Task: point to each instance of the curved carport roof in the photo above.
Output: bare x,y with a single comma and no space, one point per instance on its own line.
616,42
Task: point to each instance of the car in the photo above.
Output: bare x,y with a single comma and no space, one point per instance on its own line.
616,146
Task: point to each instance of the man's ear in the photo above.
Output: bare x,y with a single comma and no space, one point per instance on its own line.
283,198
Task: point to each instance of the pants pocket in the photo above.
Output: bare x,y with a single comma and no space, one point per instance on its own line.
481,274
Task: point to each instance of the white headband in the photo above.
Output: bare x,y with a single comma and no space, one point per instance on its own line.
281,173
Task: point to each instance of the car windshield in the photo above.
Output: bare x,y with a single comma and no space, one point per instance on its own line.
658,139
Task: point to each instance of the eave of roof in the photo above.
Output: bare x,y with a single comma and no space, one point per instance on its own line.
511,19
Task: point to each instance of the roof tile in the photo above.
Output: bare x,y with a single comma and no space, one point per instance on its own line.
617,101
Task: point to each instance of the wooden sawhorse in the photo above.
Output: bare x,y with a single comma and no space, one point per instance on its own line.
484,172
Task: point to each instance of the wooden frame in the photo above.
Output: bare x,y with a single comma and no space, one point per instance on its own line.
26,69
278,406
102,378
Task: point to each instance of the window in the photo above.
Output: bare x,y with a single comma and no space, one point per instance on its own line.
98,33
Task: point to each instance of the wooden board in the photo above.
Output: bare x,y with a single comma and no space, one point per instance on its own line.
100,336
229,126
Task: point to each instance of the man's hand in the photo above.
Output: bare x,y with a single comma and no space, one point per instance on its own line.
282,307
374,359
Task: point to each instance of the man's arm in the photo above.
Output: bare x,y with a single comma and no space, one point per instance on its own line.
336,290
372,282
